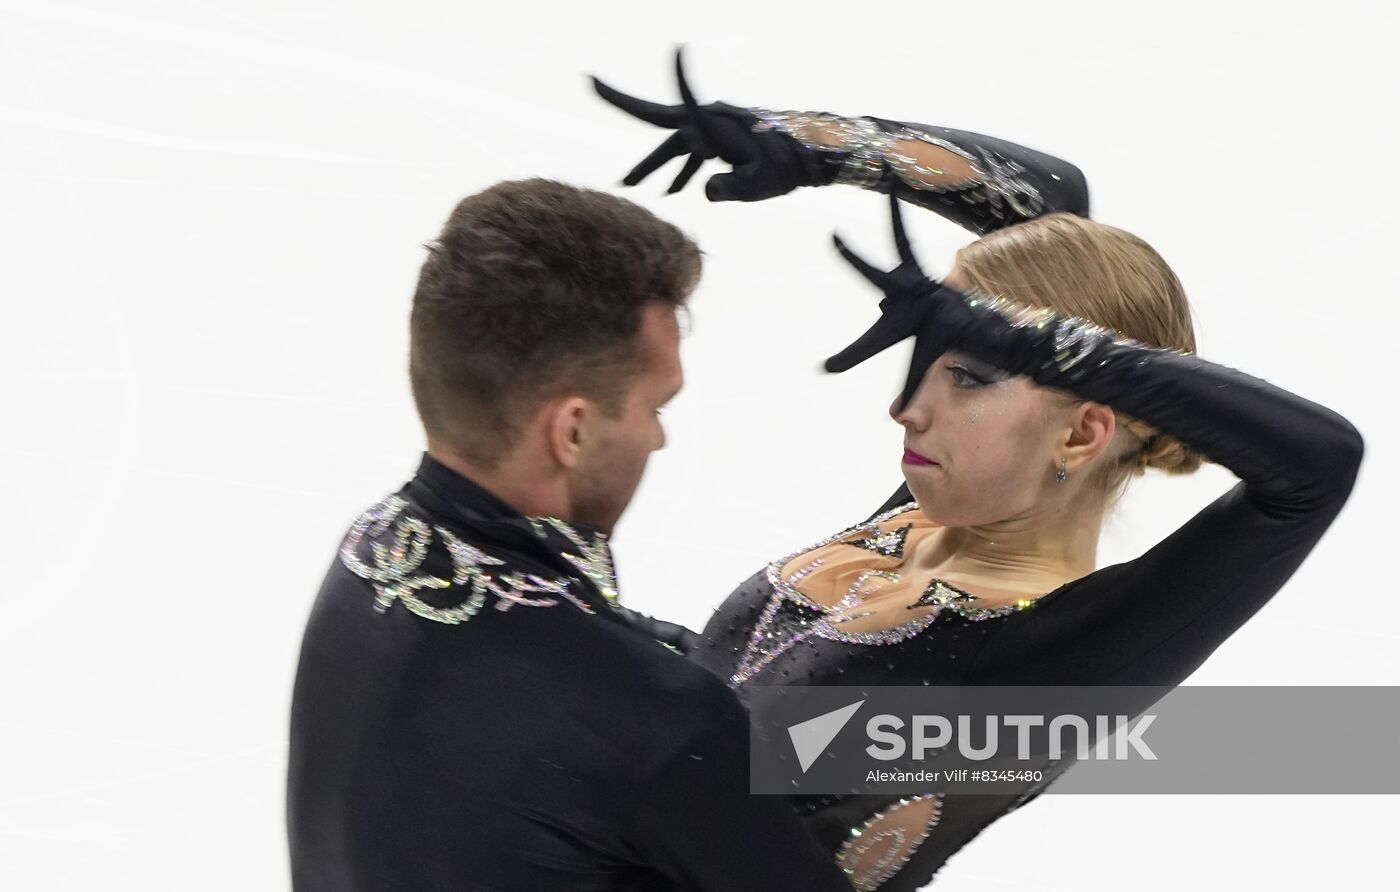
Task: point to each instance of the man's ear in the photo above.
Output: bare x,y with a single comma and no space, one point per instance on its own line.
1092,427
563,424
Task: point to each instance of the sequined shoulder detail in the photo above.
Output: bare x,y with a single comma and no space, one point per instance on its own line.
786,587
395,550
878,848
592,554
790,616
873,540
888,544
777,632
942,596
781,627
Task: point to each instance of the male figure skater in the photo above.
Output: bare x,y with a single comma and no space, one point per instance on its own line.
473,711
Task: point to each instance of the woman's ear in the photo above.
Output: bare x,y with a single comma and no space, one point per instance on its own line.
564,429
1092,427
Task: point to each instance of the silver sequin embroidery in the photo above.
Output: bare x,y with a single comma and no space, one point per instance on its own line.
1074,338
594,558
399,544
888,544
777,630
870,150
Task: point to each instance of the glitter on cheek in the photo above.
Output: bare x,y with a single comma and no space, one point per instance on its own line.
996,398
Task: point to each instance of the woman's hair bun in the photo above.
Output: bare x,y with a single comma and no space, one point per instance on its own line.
1166,453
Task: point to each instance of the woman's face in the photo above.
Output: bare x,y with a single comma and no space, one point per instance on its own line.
981,446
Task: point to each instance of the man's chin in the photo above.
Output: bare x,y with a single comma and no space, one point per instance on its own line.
597,517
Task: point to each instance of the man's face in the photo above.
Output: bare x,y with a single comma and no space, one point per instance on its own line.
616,449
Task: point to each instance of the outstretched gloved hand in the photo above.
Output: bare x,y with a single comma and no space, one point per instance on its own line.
764,163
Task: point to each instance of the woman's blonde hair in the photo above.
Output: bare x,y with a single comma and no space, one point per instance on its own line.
1102,274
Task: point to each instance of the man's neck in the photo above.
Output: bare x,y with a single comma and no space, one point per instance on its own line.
521,489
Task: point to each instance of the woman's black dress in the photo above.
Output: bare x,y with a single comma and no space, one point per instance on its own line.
1149,621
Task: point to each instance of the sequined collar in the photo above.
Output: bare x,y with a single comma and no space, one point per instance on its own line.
579,547
940,595
778,630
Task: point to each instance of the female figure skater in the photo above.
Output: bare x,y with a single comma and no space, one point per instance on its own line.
1023,420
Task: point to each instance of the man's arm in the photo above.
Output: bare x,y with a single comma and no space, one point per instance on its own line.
698,824
673,635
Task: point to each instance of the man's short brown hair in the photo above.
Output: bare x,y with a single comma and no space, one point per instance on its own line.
535,289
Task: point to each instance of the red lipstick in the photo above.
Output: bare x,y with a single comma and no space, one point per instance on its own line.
913,458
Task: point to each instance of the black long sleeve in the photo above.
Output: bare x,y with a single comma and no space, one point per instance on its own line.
1152,620
1014,182
988,183
1148,621
1164,612
980,182
1155,619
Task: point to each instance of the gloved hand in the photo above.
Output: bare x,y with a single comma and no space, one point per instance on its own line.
766,163
979,182
673,635
1049,347
911,302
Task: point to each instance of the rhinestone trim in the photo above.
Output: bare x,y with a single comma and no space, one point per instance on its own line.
889,544
861,841
869,151
774,635
594,559
1074,338
397,554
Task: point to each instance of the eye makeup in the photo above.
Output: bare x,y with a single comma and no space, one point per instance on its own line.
969,374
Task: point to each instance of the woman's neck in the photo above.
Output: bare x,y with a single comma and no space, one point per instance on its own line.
1022,556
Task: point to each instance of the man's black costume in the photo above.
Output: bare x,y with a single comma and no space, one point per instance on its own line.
473,712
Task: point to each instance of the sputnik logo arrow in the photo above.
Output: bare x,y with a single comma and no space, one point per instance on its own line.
810,738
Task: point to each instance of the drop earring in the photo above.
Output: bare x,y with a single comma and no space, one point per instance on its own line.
1060,475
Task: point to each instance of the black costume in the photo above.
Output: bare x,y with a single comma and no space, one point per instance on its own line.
544,745
1149,621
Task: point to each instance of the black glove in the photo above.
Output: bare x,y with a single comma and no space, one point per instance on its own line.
673,635
766,163
1053,349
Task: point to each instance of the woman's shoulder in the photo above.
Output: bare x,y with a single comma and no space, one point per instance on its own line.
883,535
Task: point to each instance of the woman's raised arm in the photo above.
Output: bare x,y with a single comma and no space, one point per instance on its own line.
1154,619
980,182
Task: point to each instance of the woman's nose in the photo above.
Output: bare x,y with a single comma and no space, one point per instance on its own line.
903,417
916,415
